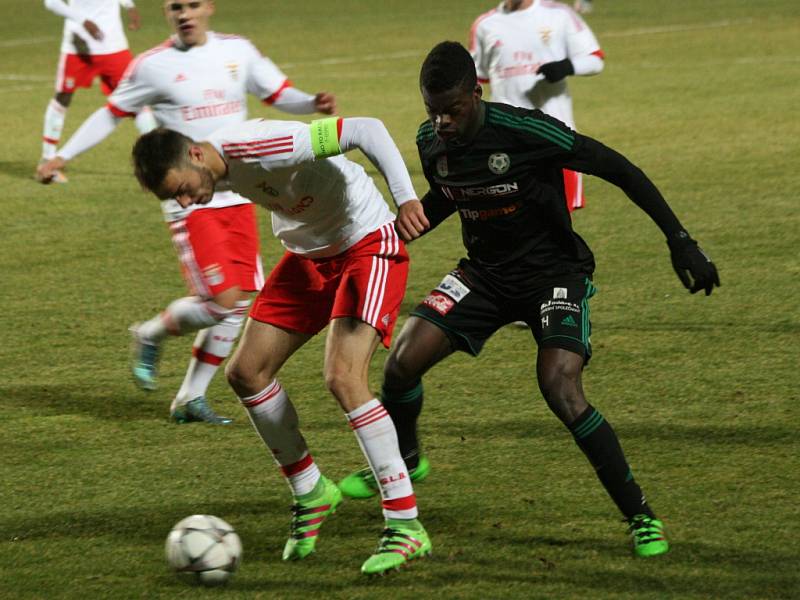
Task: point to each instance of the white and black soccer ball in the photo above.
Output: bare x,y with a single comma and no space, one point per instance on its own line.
204,548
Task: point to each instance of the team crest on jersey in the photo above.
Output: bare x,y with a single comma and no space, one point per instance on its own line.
545,35
499,163
441,165
233,69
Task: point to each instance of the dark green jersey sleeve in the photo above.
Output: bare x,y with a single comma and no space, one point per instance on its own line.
540,136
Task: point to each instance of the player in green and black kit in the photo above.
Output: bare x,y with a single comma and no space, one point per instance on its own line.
500,168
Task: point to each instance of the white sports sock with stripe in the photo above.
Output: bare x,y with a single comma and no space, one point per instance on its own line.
182,316
275,419
377,437
211,347
54,118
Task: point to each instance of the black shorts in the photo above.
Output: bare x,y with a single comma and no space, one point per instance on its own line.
469,312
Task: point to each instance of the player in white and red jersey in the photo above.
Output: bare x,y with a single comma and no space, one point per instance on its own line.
196,82
525,49
93,45
345,265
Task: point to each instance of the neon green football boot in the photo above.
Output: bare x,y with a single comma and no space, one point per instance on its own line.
362,484
402,541
648,536
307,518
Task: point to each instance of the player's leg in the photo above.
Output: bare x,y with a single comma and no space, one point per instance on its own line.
252,371
221,284
457,315
68,73
232,238
371,282
563,337
291,307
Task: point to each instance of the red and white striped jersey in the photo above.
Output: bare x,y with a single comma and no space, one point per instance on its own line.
509,47
198,90
104,13
320,206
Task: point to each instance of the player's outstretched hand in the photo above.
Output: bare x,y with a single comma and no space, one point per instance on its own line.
693,266
47,170
325,103
556,70
411,220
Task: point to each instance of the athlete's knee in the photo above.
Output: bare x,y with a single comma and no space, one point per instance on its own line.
401,368
243,375
342,382
231,298
560,384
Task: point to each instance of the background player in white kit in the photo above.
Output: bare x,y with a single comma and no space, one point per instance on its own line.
197,82
93,45
345,265
525,49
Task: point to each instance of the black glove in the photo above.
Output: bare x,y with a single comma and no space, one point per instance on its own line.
691,263
556,71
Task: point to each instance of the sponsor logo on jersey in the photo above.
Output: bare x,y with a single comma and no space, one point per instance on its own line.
453,287
561,305
569,321
441,165
488,213
190,113
499,163
233,69
468,193
439,302
304,203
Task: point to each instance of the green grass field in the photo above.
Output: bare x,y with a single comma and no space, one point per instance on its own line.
702,391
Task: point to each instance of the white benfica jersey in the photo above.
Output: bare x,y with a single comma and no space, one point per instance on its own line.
509,47
196,91
104,13
320,206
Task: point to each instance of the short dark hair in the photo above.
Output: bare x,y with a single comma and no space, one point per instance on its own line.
447,66
155,153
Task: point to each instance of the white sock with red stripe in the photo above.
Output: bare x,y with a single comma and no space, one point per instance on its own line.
185,315
378,440
54,118
275,419
211,347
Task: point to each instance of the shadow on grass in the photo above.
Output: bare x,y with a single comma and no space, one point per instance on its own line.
19,169
91,400
737,434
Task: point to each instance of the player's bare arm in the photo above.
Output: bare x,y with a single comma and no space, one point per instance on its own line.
134,19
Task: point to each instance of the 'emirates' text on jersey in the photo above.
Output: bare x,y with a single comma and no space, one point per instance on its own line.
508,189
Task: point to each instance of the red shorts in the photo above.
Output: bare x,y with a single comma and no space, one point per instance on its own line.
218,249
79,70
367,282
573,188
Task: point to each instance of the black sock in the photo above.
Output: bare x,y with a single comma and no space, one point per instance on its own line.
404,407
595,436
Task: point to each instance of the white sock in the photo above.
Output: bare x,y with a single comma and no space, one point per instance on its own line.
378,440
183,316
54,118
145,121
211,347
276,421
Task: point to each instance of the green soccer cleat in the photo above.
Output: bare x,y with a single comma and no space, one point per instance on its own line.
362,484
648,536
198,410
307,518
144,361
401,542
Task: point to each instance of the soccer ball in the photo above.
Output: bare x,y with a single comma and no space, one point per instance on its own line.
204,548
